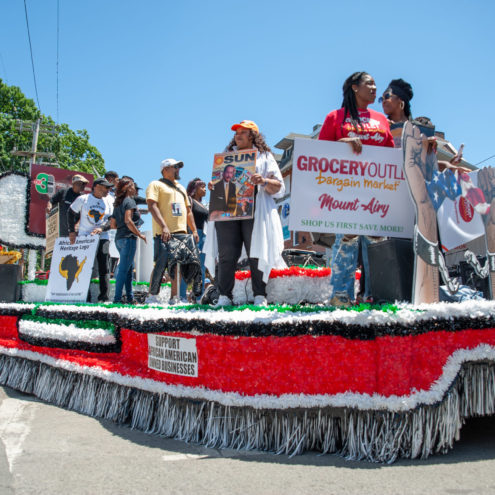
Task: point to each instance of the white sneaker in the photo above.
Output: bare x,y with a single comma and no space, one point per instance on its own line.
260,301
152,300
223,301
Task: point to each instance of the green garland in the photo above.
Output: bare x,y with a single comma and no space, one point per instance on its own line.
37,281
280,308
83,324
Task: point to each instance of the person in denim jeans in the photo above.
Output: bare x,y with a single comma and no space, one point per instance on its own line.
126,219
344,261
356,125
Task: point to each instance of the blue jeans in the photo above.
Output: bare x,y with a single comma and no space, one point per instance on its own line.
127,249
202,257
344,261
344,264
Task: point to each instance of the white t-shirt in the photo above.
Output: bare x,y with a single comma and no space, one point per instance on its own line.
94,213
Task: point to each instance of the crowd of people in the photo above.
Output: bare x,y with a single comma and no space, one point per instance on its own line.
182,233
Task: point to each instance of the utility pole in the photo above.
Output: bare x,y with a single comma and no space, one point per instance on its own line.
35,128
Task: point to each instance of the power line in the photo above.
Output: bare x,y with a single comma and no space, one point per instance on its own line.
32,60
482,161
58,43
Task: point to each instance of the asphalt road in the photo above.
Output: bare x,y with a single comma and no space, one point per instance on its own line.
48,450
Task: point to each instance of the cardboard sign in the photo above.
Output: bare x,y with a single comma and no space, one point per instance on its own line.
458,220
232,197
336,191
52,230
173,355
71,269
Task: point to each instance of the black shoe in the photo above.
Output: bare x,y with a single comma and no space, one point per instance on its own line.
210,296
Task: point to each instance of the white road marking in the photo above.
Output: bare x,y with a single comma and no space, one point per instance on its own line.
16,417
183,457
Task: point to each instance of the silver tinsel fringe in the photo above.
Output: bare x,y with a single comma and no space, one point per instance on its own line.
377,436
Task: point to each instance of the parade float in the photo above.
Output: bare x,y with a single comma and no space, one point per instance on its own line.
374,384
370,382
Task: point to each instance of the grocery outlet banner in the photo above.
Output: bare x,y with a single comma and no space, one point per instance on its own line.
335,190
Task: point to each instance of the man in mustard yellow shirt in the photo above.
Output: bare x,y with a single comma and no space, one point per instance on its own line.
170,209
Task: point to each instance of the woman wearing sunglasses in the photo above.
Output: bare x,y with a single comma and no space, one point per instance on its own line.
355,124
427,185
396,106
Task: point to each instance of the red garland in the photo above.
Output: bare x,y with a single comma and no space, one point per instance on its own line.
286,365
293,271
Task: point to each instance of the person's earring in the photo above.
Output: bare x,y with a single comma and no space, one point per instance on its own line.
355,91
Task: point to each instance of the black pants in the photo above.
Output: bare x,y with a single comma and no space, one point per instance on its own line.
102,268
230,236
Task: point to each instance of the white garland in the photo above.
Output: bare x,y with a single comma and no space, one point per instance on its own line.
13,205
286,290
32,257
407,314
363,402
66,333
37,293
33,292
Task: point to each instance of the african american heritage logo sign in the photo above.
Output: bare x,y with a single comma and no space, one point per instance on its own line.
71,269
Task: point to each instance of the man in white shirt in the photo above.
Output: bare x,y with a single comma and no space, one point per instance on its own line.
93,211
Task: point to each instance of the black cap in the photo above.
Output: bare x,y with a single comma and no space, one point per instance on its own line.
102,182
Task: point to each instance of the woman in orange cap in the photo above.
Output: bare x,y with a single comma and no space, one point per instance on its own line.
262,236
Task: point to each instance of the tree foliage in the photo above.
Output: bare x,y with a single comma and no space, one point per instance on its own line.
72,149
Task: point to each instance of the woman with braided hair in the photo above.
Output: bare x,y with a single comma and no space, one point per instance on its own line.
355,124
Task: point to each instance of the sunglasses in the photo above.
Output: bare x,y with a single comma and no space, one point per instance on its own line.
386,96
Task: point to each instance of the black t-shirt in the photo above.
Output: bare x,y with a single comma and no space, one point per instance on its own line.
119,215
64,198
200,213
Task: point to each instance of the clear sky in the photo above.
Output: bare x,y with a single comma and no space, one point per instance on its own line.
156,79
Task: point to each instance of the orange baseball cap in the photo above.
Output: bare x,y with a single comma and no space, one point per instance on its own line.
246,124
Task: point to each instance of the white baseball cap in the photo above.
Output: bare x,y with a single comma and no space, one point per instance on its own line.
171,162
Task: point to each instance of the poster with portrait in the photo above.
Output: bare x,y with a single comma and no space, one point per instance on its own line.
232,195
72,265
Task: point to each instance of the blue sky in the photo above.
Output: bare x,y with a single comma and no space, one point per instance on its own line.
157,79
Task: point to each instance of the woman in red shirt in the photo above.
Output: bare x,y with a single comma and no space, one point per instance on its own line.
355,124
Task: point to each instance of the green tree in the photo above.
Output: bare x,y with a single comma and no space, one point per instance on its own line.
72,149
